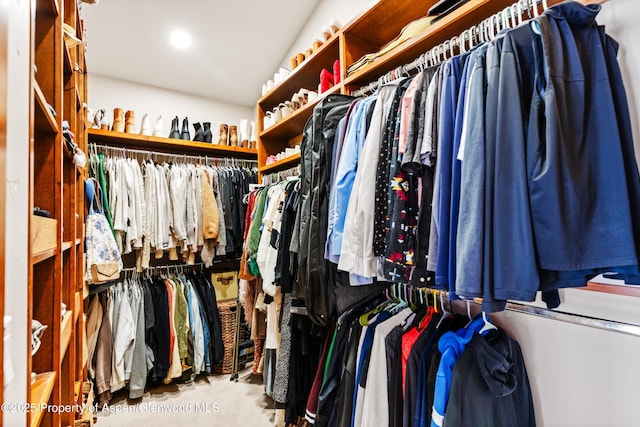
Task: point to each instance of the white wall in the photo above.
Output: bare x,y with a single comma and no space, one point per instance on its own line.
108,93
17,207
621,20
343,11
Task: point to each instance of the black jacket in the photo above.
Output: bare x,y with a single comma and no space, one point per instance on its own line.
490,387
316,156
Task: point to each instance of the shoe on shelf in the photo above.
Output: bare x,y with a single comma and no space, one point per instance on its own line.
130,122
185,129
157,127
316,44
175,131
104,121
253,138
145,126
326,80
334,26
199,135
223,138
118,120
206,131
243,133
233,136
97,118
336,72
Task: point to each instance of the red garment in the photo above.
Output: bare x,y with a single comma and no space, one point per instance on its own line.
409,339
172,327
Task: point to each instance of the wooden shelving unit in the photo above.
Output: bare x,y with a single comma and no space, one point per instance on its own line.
58,83
41,390
367,33
168,145
286,163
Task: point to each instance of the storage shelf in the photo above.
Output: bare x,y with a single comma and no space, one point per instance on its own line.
45,120
465,16
50,7
286,163
292,125
78,303
40,393
65,335
66,246
43,255
305,75
628,290
168,145
68,66
78,241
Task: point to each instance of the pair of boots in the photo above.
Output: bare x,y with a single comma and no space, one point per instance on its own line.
203,132
328,80
228,135
123,122
145,126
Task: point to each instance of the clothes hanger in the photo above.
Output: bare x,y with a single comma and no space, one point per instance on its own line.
487,324
445,313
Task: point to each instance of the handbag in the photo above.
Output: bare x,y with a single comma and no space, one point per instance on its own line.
104,262
225,285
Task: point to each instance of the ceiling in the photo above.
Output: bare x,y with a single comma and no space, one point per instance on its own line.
237,44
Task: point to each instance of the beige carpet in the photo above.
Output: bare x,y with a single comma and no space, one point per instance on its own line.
208,401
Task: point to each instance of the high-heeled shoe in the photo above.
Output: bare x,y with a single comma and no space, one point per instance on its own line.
157,127
208,137
175,131
185,129
199,136
145,126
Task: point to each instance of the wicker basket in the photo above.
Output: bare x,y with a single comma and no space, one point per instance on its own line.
228,311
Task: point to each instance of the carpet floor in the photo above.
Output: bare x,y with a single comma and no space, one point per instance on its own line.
208,401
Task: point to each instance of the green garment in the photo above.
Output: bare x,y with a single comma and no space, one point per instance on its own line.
180,319
254,233
103,186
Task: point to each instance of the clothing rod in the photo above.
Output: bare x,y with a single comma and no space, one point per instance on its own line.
124,151
486,30
576,319
161,267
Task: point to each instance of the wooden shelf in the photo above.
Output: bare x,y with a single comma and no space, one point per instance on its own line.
292,125
43,255
66,246
286,163
68,66
50,7
78,241
65,335
45,120
306,75
628,290
393,13
168,145
40,393
465,16
78,303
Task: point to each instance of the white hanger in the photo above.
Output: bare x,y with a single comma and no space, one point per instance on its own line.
533,4
445,313
487,324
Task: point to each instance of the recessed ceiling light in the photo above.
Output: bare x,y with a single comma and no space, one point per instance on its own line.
180,39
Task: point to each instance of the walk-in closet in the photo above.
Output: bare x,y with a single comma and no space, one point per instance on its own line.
320,213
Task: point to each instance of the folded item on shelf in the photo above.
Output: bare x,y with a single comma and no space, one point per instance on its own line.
410,30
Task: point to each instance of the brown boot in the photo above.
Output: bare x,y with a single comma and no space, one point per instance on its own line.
130,122
224,135
118,120
233,136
